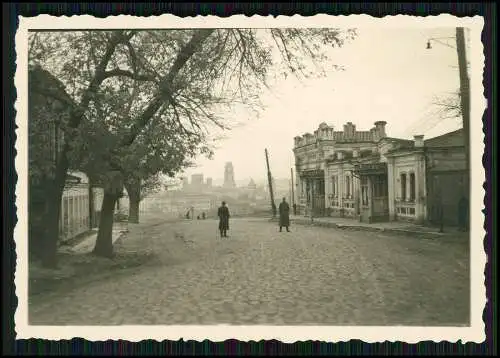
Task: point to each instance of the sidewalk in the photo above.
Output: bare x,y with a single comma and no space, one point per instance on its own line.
393,226
87,245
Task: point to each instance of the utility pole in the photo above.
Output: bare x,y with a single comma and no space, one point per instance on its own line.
464,100
270,181
293,192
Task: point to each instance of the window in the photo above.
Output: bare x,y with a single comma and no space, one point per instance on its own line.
348,186
334,186
412,186
403,187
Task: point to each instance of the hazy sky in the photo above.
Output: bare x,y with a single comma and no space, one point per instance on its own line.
389,75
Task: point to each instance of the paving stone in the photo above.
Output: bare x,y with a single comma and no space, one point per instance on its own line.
312,275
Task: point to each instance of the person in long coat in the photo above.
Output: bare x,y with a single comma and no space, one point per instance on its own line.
284,210
223,214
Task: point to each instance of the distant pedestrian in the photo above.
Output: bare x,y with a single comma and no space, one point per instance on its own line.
223,214
203,216
284,210
294,209
463,213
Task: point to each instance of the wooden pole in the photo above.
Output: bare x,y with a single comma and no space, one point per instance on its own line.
465,106
270,181
464,98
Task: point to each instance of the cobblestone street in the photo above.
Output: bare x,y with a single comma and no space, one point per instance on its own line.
261,276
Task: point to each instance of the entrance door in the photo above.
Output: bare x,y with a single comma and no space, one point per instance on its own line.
374,198
444,190
380,199
364,209
317,196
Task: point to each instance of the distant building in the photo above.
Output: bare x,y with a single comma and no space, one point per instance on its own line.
197,179
229,182
185,183
371,177
251,185
197,182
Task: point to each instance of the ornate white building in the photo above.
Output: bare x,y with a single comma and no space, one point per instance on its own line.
371,177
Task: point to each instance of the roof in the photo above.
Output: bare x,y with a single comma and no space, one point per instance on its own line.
42,82
451,139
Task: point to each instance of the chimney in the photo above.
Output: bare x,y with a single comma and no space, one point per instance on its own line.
380,126
419,141
349,129
375,134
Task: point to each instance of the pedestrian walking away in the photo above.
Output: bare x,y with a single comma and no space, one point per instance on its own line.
284,210
223,214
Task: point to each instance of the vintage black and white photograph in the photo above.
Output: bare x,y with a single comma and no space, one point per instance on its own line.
250,177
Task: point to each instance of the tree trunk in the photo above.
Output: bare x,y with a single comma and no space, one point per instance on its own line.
134,195
112,191
104,243
53,214
133,211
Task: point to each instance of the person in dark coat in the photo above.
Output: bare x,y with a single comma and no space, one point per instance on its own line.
284,210
223,214
463,213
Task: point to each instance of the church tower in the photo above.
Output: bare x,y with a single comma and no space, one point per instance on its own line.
229,176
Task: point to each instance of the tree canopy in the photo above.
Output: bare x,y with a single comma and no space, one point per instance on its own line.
136,88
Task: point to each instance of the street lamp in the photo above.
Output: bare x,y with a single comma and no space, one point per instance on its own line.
439,40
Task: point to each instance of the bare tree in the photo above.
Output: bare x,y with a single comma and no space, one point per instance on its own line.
448,106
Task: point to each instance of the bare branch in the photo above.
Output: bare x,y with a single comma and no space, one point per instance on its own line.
165,85
117,72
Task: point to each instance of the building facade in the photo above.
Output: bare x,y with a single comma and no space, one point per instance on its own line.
370,177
